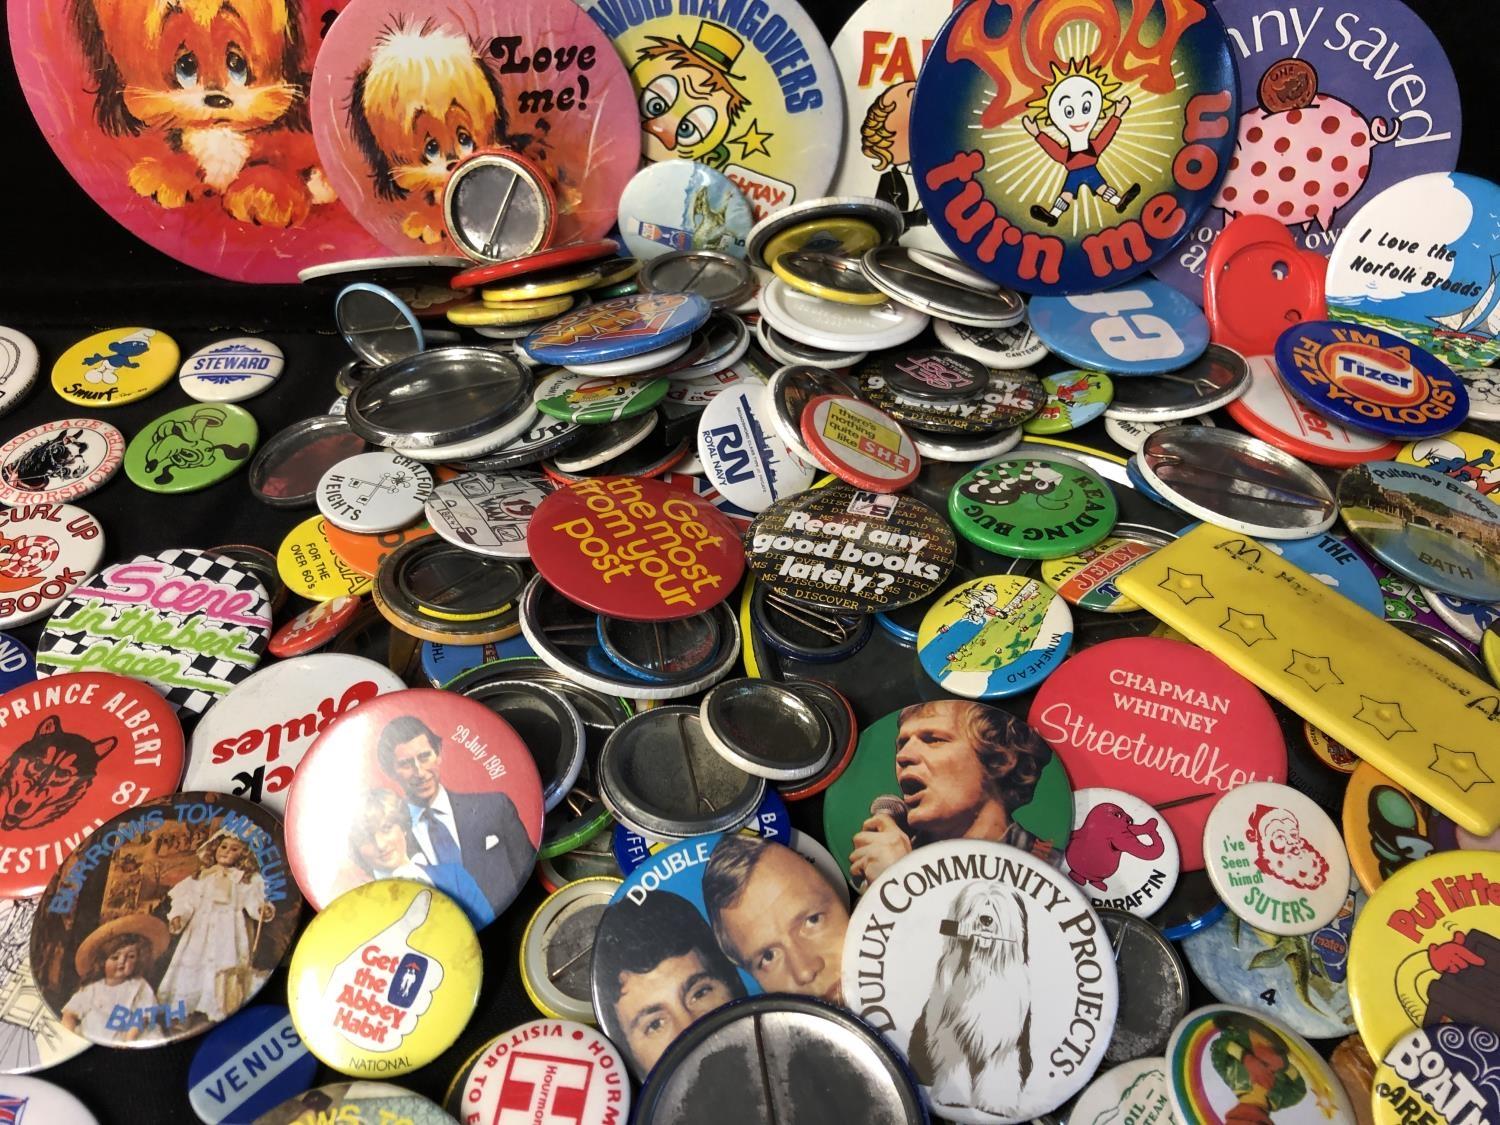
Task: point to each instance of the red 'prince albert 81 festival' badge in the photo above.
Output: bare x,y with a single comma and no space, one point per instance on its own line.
1063,148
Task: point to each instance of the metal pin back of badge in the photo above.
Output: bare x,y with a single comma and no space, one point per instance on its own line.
557,945
896,272
766,730
658,774
498,206
1237,482
755,1041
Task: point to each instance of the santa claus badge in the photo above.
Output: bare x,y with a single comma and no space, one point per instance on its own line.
1276,859
1122,854
989,970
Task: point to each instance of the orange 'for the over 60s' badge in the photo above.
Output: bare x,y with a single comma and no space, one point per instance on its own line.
635,548
384,978
1064,148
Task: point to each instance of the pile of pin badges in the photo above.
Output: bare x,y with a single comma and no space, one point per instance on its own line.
1108,639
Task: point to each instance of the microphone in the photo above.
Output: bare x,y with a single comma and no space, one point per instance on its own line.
887,804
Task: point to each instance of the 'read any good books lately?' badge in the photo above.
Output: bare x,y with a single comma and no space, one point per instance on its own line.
1066,148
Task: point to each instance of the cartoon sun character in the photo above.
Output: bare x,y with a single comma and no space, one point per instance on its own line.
689,100
1072,104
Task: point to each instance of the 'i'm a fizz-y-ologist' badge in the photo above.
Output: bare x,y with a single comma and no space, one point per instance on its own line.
405,89
1065,148
1324,125
748,89
969,933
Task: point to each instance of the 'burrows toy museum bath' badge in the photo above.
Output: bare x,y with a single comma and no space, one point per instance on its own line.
970,926
121,742
186,622
202,152
1319,133
1065,150
169,923
404,89
765,109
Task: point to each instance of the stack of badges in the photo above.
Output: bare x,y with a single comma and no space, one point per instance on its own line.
999,546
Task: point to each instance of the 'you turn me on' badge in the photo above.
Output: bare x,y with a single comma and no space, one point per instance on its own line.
749,89
1065,148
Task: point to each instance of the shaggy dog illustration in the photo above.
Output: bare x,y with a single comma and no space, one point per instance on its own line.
972,1043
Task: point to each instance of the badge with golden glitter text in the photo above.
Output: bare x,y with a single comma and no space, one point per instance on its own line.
1065,148
748,89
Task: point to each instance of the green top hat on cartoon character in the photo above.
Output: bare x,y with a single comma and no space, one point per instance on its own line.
689,99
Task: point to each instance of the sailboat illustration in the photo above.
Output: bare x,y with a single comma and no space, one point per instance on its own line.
1482,318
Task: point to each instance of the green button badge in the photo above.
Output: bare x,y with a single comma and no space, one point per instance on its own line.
191,447
1031,507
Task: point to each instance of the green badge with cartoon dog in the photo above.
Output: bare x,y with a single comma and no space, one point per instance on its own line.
191,447
748,89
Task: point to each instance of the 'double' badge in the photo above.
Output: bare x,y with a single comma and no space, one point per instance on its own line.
1069,151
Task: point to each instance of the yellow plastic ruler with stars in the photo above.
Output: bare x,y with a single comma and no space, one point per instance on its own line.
1420,719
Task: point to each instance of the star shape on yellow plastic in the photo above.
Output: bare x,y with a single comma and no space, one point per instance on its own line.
1314,671
1248,627
1188,587
752,141
1384,717
1459,766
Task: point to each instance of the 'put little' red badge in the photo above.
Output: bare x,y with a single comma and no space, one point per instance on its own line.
1164,720
635,548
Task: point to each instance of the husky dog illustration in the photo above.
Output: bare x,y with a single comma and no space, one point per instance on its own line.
48,775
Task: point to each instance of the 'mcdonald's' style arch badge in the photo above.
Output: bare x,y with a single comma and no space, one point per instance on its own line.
1064,148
